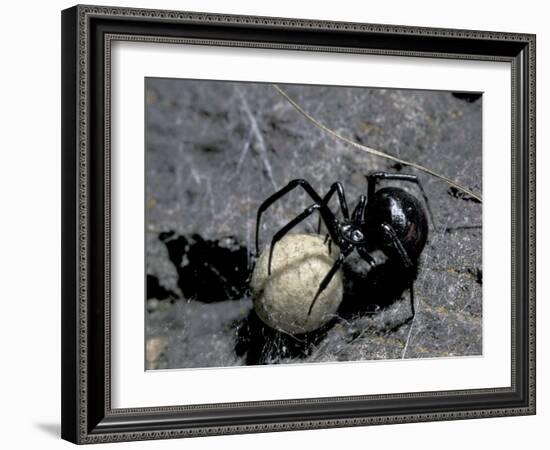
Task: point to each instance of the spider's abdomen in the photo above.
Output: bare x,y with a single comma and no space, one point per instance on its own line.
404,213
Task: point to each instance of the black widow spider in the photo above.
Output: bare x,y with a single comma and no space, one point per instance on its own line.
390,220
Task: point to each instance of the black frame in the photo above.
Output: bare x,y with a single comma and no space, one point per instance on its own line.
87,32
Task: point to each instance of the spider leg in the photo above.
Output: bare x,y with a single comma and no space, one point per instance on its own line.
299,218
359,211
280,193
329,276
339,189
392,240
366,255
373,178
411,295
328,241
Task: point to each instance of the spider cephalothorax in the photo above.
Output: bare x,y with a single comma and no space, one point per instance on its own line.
390,219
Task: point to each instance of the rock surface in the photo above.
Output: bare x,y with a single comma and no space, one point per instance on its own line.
216,150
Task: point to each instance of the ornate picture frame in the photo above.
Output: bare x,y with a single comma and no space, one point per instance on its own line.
88,33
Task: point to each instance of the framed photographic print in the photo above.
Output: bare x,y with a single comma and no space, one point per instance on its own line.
279,224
